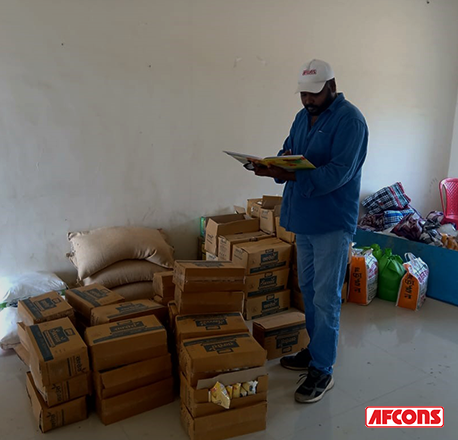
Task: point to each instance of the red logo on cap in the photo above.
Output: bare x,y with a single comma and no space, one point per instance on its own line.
309,72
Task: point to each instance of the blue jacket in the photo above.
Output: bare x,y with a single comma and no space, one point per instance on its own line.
326,199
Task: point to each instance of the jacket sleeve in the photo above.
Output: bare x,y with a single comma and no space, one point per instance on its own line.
349,149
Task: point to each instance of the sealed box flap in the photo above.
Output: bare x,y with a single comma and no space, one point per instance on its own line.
121,330
224,352
231,378
261,245
245,236
43,307
208,271
54,340
138,370
292,319
270,202
122,310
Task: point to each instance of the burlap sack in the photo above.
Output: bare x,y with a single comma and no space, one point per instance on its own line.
124,272
135,291
95,250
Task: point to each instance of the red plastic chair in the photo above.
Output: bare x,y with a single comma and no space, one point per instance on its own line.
448,189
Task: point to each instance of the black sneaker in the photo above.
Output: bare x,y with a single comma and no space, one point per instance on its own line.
315,385
299,362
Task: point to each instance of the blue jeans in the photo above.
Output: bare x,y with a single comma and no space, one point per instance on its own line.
322,262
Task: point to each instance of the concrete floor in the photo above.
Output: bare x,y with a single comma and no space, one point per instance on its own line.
388,356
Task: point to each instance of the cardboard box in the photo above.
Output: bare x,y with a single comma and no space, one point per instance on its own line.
196,398
130,377
84,299
226,242
57,352
297,300
125,342
22,354
164,301
209,302
211,257
163,284
200,247
249,207
282,334
128,310
266,282
173,312
267,210
283,234
52,418
223,425
262,256
201,358
294,279
208,276
199,326
267,304
62,392
22,333
227,225
135,402
44,308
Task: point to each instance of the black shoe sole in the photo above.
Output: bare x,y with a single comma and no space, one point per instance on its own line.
291,367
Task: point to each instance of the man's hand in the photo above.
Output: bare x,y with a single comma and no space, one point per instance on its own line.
274,172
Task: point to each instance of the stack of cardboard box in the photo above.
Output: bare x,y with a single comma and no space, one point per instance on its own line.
208,287
230,361
163,287
266,264
59,378
132,367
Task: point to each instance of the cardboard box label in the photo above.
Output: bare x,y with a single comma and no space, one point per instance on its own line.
92,296
268,282
127,328
37,308
219,345
267,304
50,338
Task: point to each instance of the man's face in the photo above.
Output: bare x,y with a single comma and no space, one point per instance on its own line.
317,103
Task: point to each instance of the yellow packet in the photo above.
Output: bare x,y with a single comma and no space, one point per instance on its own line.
236,390
250,387
229,390
220,396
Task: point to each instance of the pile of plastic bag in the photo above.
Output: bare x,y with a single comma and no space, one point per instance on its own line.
389,210
377,272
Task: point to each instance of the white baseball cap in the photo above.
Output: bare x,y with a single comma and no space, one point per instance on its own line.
313,76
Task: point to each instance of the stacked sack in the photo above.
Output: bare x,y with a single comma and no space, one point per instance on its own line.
123,259
223,382
59,379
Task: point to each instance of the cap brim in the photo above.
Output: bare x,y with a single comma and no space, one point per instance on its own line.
315,87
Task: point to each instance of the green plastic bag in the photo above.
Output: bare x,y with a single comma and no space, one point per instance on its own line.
390,273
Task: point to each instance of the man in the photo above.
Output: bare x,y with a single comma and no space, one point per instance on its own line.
321,207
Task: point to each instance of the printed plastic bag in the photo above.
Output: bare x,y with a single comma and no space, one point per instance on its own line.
414,284
363,277
390,273
410,227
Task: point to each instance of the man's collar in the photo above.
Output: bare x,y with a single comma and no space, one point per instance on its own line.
339,99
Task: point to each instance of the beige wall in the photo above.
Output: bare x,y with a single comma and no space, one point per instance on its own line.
115,112
453,168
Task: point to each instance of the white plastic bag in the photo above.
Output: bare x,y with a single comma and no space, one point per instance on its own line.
16,287
8,328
